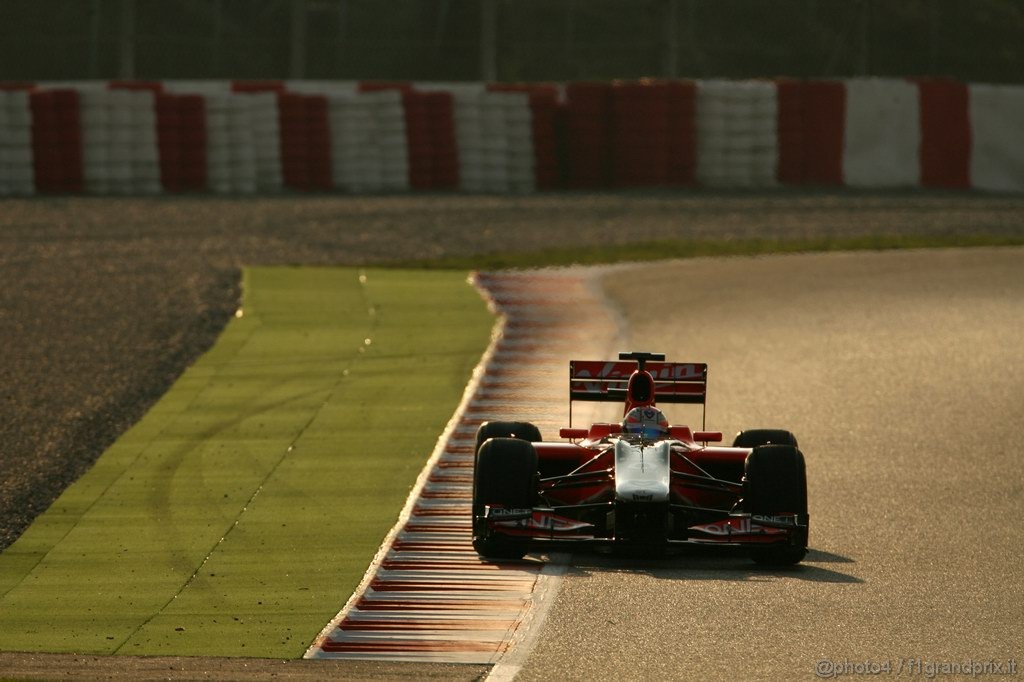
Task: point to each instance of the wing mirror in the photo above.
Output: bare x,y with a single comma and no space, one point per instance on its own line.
573,434
707,436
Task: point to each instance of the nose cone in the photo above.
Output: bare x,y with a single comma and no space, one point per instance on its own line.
642,472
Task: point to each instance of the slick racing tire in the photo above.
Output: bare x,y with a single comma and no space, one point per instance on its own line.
775,482
522,430
505,475
754,437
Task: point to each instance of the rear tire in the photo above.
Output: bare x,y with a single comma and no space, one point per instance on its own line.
775,482
505,475
754,437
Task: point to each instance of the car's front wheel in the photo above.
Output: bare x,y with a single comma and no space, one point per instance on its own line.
521,430
505,476
751,438
775,483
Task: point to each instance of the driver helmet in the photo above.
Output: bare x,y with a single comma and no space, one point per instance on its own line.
648,422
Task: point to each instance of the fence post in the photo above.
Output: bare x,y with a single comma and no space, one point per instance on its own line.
94,40
488,40
297,66
670,68
126,53
865,38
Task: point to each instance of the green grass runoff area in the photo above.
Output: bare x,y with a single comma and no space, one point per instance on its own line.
241,512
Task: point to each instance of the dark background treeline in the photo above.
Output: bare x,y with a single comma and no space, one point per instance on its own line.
510,40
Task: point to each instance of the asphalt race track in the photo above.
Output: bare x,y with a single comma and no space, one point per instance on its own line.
901,375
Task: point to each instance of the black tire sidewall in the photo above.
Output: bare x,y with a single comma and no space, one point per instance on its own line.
775,481
505,475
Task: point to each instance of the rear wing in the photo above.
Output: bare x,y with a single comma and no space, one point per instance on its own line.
603,381
608,381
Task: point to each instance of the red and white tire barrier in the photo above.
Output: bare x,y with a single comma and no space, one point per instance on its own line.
882,134
182,139
267,136
17,167
470,138
428,596
737,134
496,140
119,142
275,147
368,142
57,141
230,158
630,134
997,116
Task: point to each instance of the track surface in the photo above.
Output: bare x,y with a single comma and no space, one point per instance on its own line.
900,374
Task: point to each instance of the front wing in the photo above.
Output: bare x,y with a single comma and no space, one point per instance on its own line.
547,529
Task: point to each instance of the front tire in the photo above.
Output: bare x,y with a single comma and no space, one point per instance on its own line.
775,482
522,430
751,438
505,475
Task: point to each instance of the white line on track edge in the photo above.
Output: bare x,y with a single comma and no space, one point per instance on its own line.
478,373
545,593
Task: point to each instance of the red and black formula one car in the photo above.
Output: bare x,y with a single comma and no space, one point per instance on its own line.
641,483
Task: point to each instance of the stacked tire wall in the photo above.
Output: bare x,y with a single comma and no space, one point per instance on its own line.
251,137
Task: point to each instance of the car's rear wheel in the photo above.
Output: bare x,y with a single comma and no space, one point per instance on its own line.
775,483
754,437
506,476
